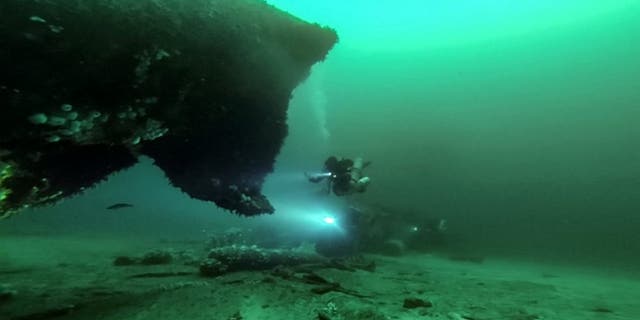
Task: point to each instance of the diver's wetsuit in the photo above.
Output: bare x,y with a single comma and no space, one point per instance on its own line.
341,174
344,176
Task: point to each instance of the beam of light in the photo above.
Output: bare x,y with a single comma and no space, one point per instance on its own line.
329,220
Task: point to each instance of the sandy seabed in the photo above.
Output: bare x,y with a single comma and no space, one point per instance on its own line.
74,278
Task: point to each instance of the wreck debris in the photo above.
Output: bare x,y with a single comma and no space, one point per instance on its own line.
240,258
56,312
325,286
412,303
322,285
6,293
156,257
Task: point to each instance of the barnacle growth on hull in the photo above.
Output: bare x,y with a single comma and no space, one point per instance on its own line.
202,88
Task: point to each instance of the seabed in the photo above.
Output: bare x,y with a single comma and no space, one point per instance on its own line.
75,278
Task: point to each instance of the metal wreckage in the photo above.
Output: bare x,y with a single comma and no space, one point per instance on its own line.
201,87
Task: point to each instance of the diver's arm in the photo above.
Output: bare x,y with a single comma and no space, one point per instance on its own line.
317,177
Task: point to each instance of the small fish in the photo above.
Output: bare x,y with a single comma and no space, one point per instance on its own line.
119,206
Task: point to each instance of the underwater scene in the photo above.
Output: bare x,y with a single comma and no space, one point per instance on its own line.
319,160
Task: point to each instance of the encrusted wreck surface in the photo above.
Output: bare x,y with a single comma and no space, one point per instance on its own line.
200,86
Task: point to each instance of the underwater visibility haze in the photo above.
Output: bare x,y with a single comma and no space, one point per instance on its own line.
501,140
517,122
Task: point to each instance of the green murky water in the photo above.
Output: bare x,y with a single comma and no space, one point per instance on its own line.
514,125
518,122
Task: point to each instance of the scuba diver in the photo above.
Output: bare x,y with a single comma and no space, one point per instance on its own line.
344,176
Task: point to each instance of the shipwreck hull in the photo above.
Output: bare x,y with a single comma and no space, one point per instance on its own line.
200,86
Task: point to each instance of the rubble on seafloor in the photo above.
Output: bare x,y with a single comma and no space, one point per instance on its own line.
289,264
239,258
134,278
6,293
158,257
